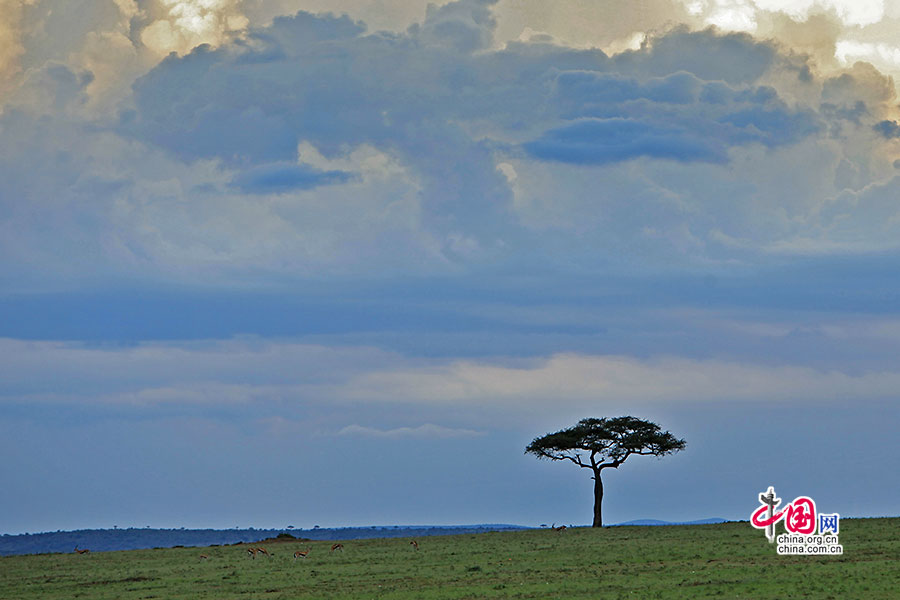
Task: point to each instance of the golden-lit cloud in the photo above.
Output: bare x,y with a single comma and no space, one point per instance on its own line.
11,48
745,15
836,33
186,24
850,51
613,26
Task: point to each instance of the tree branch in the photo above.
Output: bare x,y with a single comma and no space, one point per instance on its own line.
576,459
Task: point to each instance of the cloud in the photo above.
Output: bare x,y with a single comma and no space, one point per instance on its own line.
606,141
97,39
426,431
52,89
288,379
678,116
199,370
11,47
284,177
380,106
450,115
744,15
772,127
734,58
465,25
887,128
185,24
850,51
134,210
836,33
872,209
575,23
584,381
242,160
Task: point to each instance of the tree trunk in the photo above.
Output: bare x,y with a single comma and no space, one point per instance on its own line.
598,499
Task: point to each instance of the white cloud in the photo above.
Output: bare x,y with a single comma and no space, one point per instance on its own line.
186,24
849,51
733,15
633,41
742,15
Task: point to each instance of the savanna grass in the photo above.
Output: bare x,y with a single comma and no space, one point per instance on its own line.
730,560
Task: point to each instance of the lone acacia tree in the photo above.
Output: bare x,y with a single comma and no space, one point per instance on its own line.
599,444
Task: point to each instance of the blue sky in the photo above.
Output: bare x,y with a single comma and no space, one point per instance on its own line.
295,262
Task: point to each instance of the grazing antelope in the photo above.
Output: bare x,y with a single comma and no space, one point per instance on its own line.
85,551
337,547
414,544
262,550
204,557
301,554
560,528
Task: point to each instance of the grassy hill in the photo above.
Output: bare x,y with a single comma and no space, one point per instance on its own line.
730,560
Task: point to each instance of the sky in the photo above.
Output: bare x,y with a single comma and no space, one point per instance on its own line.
306,262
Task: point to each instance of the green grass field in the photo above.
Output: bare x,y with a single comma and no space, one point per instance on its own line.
730,560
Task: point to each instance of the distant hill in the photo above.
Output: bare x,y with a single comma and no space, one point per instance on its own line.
105,540
652,522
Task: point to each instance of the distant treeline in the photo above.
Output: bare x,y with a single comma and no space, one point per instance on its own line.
106,540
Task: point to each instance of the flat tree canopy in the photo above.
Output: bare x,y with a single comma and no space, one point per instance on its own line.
599,444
